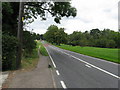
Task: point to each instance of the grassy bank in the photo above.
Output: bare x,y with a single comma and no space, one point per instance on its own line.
43,50
31,61
103,53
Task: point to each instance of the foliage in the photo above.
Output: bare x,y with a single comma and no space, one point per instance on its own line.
28,43
9,45
31,11
55,35
56,9
42,49
103,53
96,38
36,36
9,17
30,62
10,12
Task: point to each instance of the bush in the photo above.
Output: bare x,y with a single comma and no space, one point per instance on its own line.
9,45
101,42
111,44
29,44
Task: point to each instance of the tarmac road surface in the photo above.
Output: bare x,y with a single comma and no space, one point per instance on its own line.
73,70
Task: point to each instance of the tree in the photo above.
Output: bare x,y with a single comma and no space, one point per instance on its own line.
30,44
41,37
31,11
95,33
96,38
55,35
61,36
56,9
9,18
9,45
76,38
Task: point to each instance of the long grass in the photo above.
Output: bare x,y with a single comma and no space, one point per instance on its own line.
103,53
31,61
43,50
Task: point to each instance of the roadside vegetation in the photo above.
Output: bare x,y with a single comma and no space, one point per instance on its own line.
110,54
94,38
55,35
30,62
11,44
43,50
102,44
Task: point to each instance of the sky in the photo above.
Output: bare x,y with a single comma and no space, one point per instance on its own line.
91,14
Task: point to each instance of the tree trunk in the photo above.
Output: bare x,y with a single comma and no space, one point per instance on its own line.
19,36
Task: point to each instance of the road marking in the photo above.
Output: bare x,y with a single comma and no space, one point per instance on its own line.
92,57
63,84
105,71
88,66
51,58
57,72
86,55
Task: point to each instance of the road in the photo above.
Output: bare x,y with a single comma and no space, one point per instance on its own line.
73,70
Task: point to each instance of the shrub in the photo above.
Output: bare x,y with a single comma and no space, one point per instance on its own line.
101,42
111,44
9,45
29,44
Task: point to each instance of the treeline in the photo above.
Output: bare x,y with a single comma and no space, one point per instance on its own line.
94,38
9,37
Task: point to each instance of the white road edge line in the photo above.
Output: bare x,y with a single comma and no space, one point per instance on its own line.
63,84
105,71
51,58
57,72
87,66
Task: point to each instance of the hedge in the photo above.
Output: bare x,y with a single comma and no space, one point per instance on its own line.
9,46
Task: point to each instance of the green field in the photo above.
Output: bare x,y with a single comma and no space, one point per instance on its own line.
103,53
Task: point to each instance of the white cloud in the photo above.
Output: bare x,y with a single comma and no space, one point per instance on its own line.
90,14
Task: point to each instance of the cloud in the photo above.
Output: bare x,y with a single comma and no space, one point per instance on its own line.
90,14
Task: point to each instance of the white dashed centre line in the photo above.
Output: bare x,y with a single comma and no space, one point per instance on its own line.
57,72
63,84
88,66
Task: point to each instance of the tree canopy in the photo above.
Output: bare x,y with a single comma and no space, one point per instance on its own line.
31,11
56,9
55,35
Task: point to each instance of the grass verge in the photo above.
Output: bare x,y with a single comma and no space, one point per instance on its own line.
31,61
103,53
43,50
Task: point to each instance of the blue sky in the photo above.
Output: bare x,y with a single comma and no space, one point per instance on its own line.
90,14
